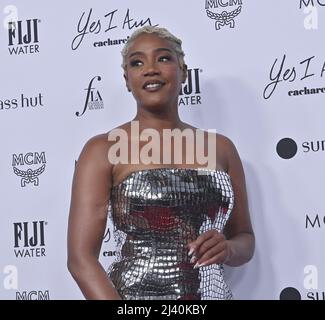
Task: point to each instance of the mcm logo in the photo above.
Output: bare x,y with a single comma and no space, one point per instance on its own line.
223,17
29,176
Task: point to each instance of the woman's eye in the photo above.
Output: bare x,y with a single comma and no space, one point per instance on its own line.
165,58
136,63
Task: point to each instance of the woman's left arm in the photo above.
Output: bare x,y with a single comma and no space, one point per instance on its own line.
238,230
235,246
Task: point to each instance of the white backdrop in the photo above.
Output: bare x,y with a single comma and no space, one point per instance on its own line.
60,53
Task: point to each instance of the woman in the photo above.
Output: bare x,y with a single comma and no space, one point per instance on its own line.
176,222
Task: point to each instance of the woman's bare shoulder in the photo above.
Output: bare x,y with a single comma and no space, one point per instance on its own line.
125,126
98,145
224,143
102,140
229,153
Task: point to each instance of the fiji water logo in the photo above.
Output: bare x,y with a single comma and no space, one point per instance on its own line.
23,36
29,239
223,12
190,94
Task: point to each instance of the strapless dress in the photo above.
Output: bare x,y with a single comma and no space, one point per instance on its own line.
155,213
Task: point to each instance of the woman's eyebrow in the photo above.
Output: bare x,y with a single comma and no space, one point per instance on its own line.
135,54
156,50
163,49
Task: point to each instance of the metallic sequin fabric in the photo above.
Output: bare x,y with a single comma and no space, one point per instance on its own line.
155,213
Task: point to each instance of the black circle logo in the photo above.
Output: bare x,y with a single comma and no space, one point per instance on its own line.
286,148
290,294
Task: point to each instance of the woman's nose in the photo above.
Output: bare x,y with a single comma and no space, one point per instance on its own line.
151,69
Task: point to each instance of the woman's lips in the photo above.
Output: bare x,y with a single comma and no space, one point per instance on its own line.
153,85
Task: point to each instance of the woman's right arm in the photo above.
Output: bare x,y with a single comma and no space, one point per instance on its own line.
87,220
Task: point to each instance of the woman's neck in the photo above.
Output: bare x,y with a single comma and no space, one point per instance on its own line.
158,121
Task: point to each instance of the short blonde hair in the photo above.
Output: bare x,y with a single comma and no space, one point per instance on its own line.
161,33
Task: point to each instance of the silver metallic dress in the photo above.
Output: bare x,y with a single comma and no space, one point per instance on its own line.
156,213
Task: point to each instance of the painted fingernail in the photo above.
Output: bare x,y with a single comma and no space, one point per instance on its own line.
193,259
199,265
191,251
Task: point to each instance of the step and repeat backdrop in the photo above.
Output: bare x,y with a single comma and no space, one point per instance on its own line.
256,74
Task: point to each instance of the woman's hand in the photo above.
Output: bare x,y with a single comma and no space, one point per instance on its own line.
209,248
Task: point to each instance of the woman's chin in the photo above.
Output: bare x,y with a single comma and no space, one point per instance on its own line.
154,106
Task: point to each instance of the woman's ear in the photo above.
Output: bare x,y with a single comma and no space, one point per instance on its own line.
184,76
126,82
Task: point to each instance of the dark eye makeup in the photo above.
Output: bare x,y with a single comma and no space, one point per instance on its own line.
136,63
